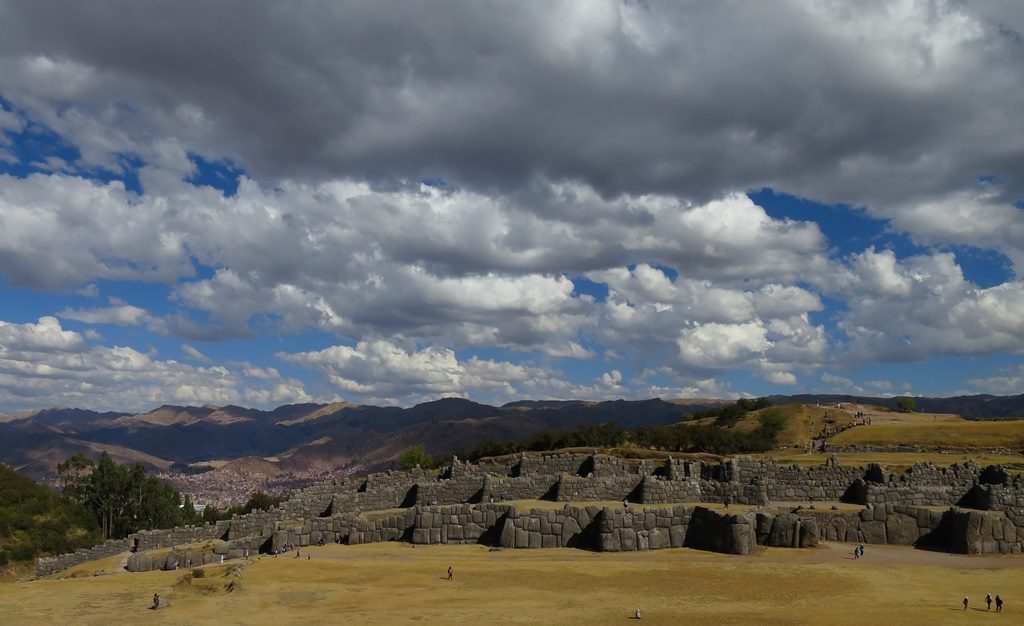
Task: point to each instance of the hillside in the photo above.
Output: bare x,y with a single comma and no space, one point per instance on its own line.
940,434
304,438
978,407
34,520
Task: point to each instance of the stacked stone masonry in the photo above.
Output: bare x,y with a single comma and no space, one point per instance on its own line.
468,503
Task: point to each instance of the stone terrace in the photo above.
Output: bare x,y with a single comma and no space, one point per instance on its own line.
472,503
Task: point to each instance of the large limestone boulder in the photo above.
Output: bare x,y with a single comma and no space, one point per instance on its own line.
809,533
508,534
901,529
873,532
140,562
764,526
744,538
783,531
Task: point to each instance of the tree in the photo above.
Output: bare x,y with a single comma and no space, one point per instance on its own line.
123,500
413,456
260,501
905,404
73,475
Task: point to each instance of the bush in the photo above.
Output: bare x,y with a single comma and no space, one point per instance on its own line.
905,404
34,520
413,456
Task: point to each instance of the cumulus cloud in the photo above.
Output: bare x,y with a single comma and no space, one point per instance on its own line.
923,305
192,353
42,364
634,96
1009,382
385,371
613,143
117,313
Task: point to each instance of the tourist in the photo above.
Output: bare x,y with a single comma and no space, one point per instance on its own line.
298,553
450,572
988,601
999,604
625,503
726,501
156,602
856,553
861,549
965,603
638,615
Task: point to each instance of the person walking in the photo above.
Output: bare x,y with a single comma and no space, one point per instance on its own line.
965,603
988,601
450,573
999,604
861,549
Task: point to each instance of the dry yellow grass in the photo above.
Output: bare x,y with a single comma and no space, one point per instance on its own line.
953,434
397,583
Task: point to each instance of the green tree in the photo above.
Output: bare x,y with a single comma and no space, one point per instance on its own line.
905,404
413,456
260,501
124,500
34,520
73,475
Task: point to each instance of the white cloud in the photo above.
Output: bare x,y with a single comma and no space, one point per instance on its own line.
637,182
780,378
934,310
192,353
89,291
381,370
46,336
118,314
716,345
1009,382
42,364
840,384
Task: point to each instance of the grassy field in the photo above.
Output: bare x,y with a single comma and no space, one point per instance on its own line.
944,433
397,583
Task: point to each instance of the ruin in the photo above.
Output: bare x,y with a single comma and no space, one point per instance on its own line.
963,508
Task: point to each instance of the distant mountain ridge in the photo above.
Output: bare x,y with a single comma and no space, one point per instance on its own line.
310,437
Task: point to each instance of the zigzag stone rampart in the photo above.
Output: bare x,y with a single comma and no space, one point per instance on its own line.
468,503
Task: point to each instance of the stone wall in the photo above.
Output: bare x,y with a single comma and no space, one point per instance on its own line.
150,539
459,523
539,528
657,490
555,464
47,566
532,487
335,511
956,530
592,489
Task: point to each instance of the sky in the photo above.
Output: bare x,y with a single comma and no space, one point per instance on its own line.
393,202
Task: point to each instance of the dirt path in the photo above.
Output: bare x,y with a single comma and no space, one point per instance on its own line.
898,556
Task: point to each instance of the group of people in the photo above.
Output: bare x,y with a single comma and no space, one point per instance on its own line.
988,603
858,552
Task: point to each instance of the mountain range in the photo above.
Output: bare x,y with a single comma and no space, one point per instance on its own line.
310,438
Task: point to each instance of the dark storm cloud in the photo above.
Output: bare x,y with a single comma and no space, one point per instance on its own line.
873,103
